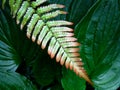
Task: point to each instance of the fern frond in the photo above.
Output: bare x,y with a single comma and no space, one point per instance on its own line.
48,8
58,23
15,6
37,3
60,39
52,14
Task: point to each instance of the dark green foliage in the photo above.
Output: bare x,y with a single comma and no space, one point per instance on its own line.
9,58
40,29
27,55
74,83
45,70
99,35
77,9
14,81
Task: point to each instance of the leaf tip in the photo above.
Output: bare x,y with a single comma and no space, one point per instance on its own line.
28,35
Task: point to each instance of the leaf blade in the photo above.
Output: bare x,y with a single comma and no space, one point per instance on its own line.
99,34
12,80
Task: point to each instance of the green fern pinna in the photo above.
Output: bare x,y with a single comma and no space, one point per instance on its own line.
60,39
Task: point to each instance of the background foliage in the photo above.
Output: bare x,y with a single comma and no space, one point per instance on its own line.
23,65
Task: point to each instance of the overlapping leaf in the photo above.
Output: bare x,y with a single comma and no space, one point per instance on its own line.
61,44
12,80
72,82
100,36
9,58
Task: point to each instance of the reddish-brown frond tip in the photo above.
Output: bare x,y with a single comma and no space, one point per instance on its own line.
76,65
60,6
85,76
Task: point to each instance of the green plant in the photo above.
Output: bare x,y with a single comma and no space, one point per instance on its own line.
62,44
99,45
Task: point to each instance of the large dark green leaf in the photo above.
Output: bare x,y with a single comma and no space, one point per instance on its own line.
14,81
80,32
71,81
99,34
9,58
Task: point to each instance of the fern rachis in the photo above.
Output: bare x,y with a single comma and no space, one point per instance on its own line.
62,43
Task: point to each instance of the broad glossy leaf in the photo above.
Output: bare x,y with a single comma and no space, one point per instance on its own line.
100,36
14,81
9,58
80,32
72,82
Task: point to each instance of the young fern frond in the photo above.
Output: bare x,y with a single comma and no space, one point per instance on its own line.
60,39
